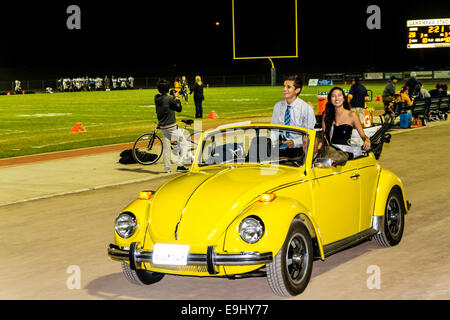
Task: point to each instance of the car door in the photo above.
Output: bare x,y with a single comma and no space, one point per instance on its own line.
368,184
336,194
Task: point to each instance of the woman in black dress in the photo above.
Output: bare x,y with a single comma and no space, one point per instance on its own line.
340,120
197,89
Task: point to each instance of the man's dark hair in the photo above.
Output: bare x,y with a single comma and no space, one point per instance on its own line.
163,86
298,82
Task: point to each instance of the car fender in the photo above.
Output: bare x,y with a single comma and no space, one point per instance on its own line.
140,209
277,217
386,182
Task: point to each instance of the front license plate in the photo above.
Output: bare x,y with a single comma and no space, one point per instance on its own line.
170,254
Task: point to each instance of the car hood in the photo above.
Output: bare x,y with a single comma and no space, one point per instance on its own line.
196,208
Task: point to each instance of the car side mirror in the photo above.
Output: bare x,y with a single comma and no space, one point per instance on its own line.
322,163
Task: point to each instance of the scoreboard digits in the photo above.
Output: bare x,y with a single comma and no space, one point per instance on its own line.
429,33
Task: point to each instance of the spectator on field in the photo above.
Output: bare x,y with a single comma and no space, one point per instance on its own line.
339,121
424,94
357,97
184,89
389,92
165,111
107,82
18,86
114,82
437,91
404,97
444,92
413,85
131,82
197,89
177,85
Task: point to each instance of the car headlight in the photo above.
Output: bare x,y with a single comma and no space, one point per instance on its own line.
251,229
125,224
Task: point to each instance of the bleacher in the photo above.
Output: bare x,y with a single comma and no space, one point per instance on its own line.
428,109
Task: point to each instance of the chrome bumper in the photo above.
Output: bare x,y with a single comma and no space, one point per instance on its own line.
136,256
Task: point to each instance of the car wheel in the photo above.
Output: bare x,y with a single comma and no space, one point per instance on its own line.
140,277
290,270
394,221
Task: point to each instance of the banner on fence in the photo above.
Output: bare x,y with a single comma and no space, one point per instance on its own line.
441,74
421,74
334,76
398,75
320,82
373,76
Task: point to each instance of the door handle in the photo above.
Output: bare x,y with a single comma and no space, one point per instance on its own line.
355,176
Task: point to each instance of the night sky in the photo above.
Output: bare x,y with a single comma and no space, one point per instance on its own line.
149,38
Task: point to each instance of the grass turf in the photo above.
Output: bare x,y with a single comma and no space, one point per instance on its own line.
38,123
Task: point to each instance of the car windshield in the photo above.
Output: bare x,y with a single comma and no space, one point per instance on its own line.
255,145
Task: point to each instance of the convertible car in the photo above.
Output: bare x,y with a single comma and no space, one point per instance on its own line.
249,206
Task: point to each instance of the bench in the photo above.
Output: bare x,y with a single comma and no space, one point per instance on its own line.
428,109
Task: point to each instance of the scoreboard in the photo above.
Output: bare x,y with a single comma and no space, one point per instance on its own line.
429,33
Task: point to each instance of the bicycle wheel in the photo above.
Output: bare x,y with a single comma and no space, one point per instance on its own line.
147,149
194,140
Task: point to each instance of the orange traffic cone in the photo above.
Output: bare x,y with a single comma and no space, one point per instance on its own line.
78,127
212,115
378,99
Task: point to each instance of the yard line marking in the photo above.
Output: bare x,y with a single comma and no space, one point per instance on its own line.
38,115
84,190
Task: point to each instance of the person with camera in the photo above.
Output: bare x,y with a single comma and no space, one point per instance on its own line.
166,106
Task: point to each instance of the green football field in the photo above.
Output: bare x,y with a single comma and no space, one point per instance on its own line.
38,123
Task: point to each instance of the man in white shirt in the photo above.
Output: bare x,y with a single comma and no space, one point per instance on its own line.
292,110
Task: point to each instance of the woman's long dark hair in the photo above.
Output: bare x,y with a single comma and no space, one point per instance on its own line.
330,112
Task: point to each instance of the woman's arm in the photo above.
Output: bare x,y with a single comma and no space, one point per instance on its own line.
357,125
323,122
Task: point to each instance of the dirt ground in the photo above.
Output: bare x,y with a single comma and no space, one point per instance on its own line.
46,243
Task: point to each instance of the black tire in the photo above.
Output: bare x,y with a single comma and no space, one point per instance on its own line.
147,149
140,277
394,221
290,271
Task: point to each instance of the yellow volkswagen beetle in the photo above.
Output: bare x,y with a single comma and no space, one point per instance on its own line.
248,207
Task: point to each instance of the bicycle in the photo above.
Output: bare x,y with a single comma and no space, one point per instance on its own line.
148,148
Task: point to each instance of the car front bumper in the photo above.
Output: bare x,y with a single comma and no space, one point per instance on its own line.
211,259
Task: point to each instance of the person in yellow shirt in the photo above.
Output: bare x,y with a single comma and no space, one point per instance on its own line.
403,97
177,84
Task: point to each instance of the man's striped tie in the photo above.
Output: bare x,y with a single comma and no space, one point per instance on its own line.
287,122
